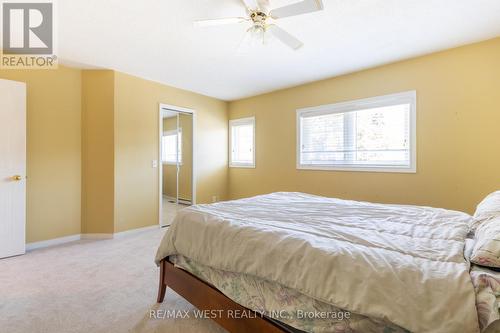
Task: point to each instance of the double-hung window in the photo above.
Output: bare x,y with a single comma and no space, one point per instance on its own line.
374,134
172,147
242,143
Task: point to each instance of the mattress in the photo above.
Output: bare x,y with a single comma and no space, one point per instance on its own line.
309,315
399,264
284,304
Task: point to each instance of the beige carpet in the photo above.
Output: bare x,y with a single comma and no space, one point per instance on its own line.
90,286
169,211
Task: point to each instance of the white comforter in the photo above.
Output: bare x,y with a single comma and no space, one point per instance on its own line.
404,264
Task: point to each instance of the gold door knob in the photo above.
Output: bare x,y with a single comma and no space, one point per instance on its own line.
17,178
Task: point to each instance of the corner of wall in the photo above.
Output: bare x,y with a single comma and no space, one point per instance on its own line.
97,151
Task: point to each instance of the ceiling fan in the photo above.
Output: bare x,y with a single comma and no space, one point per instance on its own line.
261,20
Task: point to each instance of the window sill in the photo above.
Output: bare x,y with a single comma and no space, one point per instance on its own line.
171,163
242,166
384,169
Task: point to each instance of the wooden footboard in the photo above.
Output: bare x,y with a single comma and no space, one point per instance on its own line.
230,315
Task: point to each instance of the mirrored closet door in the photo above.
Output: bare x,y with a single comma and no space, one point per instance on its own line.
177,163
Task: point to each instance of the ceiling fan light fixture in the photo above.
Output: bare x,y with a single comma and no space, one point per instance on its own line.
257,33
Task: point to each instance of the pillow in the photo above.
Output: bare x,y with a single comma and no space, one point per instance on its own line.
489,207
486,250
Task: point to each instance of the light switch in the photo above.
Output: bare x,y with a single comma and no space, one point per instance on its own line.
154,163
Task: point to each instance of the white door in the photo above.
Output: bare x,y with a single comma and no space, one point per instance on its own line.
12,168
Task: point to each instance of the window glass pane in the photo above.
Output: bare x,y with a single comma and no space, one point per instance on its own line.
242,142
243,148
322,139
382,135
362,138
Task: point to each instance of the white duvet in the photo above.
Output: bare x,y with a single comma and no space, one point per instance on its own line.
404,264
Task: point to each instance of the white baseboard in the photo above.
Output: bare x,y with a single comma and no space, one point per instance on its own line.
72,238
52,242
181,201
122,234
97,236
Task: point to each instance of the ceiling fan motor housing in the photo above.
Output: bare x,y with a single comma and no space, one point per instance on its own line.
258,17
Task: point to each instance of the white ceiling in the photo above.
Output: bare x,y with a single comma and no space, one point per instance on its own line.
155,39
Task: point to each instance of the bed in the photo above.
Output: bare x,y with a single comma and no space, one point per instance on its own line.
392,268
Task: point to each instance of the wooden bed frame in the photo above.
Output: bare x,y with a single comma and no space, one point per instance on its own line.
233,317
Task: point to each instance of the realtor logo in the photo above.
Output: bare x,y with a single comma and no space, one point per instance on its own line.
28,35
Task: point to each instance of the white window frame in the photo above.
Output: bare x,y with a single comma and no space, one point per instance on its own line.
179,137
239,122
408,97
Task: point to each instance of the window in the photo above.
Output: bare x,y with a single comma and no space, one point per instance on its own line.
169,142
242,145
375,134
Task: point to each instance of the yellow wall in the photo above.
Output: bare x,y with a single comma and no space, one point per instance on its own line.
98,151
185,169
458,132
137,144
458,142
53,151
92,136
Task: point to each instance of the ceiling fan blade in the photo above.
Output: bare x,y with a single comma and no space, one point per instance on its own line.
263,5
302,7
251,5
219,21
285,37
